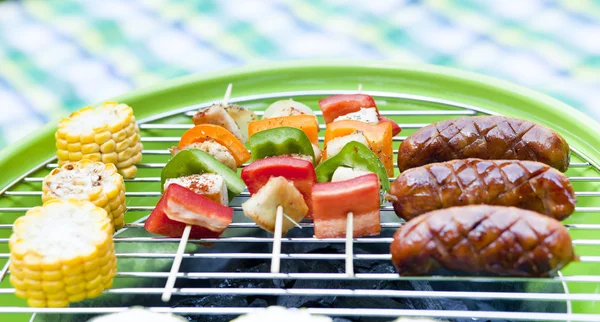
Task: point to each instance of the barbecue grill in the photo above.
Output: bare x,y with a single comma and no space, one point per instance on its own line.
232,277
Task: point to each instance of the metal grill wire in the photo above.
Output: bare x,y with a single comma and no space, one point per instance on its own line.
159,130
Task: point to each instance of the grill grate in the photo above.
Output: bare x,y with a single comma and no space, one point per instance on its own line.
146,261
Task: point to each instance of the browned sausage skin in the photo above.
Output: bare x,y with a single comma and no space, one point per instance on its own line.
523,184
484,137
500,240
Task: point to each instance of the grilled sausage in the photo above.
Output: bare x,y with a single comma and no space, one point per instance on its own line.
501,240
484,137
523,184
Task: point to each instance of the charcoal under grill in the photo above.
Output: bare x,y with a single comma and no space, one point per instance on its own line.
232,277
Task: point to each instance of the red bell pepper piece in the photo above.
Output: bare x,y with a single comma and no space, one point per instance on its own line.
396,129
300,172
337,105
332,201
215,216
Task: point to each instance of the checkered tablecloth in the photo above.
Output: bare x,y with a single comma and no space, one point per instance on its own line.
57,56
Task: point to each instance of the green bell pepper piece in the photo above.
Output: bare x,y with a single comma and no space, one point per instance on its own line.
195,161
280,141
357,156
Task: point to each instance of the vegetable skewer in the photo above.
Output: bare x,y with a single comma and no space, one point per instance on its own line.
280,182
241,157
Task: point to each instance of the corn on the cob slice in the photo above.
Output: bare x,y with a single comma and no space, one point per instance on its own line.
62,252
107,133
90,181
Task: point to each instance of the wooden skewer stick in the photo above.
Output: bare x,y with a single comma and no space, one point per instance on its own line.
227,94
276,259
350,244
359,91
292,221
176,263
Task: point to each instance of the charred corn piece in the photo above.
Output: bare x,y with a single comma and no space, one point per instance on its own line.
62,252
108,134
87,180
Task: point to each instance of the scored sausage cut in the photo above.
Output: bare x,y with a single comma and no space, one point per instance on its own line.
523,184
484,137
494,239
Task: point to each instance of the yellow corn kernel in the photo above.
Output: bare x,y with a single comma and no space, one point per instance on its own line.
32,284
75,288
20,293
125,164
57,303
61,144
36,295
121,146
61,133
102,137
77,297
17,282
90,148
96,157
91,266
100,200
53,287
118,222
134,140
110,157
33,274
90,275
131,129
20,250
72,138
74,147
74,279
75,156
51,275
115,192
125,155
94,283
95,292
116,205
72,270
137,158
62,154
128,172
51,264
114,128
36,303
87,138
120,135
17,272
108,147
58,296
108,282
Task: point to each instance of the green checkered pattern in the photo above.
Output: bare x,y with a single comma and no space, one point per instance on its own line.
57,56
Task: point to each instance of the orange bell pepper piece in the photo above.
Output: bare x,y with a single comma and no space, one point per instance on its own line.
306,123
379,137
219,134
